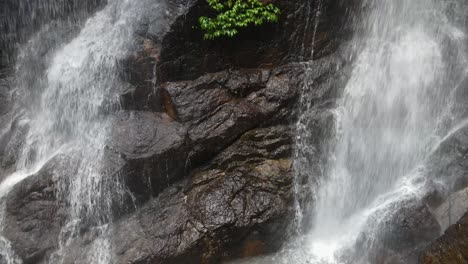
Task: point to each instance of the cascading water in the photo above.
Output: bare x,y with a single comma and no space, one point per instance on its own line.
387,123
62,96
395,108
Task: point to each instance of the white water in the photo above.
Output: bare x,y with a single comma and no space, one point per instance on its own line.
394,111
388,122
62,111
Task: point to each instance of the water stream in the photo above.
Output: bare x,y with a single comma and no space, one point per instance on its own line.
408,56
395,109
64,84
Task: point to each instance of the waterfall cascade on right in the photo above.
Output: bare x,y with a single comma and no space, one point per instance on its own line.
408,59
396,106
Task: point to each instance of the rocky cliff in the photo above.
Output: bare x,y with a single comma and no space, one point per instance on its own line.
203,142
202,139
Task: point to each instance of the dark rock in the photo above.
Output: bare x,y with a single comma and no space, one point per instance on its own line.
451,248
154,148
220,107
139,69
452,209
397,237
185,55
204,150
448,165
5,100
449,162
225,211
34,214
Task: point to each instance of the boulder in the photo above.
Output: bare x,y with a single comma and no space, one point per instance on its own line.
452,209
33,213
234,207
220,107
448,162
450,248
397,235
153,148
185,55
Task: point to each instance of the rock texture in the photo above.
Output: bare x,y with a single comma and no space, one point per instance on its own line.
448,165
234,207
395,235
204,147
451,248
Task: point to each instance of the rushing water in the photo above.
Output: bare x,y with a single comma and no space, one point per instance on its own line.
408,57
390,117
395,108
64,86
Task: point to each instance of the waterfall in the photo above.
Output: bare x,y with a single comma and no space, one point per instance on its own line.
64,87
389,118
395,108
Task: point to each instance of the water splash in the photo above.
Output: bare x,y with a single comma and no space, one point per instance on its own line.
64,85
389,117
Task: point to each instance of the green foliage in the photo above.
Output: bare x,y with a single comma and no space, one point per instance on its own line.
236,14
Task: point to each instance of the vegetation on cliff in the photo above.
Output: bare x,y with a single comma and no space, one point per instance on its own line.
235,14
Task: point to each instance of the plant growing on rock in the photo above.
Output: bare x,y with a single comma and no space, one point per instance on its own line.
235,14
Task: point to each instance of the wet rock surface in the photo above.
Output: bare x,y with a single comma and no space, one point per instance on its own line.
397,235
204,150
35,214
448,165
451,248
242,197
185,55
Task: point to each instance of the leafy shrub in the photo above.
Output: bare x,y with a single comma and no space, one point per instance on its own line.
236,14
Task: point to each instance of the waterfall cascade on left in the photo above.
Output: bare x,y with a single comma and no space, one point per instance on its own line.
64,88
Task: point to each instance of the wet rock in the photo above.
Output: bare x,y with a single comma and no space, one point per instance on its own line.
451,210
398,236
5,101
34,216
185,55
226,210
139,69
449,162
171,45
448,166
205,149
220,107
12,138
451,248
154,149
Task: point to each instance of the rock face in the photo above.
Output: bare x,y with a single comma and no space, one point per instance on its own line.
451,248
449,166
204,147
289,41
234,207
35,214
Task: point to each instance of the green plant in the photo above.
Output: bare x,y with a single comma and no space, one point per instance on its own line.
235,14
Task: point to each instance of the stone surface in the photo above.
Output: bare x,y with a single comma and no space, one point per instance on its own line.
154,149
451,248
397,236
448,165
452,209
448,162
205,149
185,55
241,198
33,213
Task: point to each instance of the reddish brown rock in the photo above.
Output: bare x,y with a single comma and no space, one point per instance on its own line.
451,248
